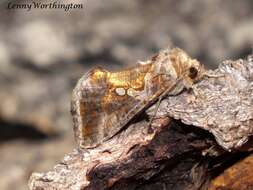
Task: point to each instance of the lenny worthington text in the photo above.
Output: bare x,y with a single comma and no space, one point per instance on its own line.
45,6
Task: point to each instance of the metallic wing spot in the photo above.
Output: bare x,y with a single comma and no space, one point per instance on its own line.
131,92
120,91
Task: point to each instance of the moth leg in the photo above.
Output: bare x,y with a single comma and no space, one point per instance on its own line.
197,93
209,75
150,130
84,150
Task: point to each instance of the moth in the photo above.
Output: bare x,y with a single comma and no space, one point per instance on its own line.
104,102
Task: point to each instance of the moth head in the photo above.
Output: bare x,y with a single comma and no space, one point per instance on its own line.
186,66
195,70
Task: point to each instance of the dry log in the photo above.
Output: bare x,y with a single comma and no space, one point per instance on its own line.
223,106
131,160
179,152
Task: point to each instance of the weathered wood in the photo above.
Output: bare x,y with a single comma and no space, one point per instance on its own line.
221,103
174,155
131,160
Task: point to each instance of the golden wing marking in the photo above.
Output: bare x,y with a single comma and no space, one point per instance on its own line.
98,106
99,112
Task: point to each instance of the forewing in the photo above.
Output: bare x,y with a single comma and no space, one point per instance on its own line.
86,107
104,102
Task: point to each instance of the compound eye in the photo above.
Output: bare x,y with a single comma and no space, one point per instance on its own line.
193,72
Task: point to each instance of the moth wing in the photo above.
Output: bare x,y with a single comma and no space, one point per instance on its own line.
85,107
102,103
99,110
120,113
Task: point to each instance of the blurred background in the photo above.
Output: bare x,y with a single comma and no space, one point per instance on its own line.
44,52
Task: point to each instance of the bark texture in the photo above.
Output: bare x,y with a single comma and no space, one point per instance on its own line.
180,152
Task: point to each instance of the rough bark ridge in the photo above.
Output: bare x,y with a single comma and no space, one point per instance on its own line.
178,153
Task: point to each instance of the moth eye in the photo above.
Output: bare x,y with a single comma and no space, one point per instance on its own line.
193,72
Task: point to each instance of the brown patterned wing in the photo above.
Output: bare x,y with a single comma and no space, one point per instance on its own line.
99,101
103,102
85,107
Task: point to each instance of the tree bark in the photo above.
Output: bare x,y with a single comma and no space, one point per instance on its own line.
193,136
